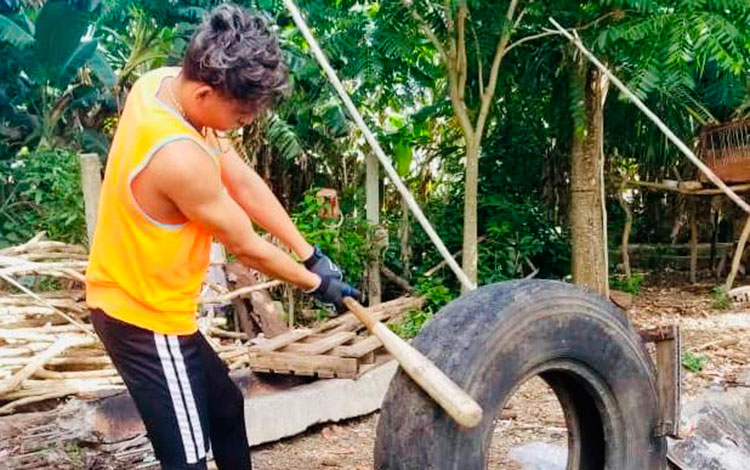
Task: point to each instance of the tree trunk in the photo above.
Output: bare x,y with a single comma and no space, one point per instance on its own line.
372,184
469,257
624,246
587,217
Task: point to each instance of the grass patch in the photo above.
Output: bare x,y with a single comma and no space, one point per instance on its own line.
694,362
721,298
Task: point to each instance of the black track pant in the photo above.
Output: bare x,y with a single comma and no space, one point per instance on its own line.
183,393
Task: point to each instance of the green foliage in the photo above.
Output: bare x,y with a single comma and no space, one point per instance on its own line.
411,324
693,362
40,190
435,293
519,236
13,33
630,285
344,240
282,136
52,51
721,298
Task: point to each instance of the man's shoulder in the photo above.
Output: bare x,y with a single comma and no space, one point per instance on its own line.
156,75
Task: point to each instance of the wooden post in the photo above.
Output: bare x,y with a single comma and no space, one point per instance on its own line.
738,254
693,241
372,184
91,184
290,301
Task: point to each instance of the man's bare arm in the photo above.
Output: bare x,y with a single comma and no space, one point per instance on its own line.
190,179
249,190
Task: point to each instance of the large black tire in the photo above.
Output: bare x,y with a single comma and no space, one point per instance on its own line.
491,341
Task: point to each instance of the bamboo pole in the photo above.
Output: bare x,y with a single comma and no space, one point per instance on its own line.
375,146
576,41
738,255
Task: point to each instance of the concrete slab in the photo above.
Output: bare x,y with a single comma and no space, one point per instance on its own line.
287,413
717,432
540,456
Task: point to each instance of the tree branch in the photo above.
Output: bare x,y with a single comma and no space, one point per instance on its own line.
530,38
428,32
496,61
480,72
461,65
448,15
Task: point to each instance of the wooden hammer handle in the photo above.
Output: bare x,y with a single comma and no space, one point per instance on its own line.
457,403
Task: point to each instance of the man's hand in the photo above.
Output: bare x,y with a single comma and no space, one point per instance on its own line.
322,265
331,292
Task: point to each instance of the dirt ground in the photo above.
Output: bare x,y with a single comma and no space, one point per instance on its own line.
721,336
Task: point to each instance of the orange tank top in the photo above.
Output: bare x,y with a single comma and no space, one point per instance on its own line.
142,271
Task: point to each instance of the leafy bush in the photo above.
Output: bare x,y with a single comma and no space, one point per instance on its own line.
631,286
345,240
721,298
435,292
436,295
412,324
41,190
519,236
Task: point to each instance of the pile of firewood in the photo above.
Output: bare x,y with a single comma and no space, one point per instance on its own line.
47,349
47,346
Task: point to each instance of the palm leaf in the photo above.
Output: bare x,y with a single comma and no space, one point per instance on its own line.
78,59
101,68
59,29
282,136
14,34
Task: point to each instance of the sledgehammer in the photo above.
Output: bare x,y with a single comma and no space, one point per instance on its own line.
457,403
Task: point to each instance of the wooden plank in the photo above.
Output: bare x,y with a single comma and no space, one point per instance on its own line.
278,342
368,345
313,337
379,359
302,364
668,382
321,345
395,306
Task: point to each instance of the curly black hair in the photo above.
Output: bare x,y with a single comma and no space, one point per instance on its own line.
234,51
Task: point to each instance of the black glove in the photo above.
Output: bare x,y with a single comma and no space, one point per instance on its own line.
331,292
322,265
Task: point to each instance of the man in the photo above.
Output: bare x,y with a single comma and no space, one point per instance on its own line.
171,185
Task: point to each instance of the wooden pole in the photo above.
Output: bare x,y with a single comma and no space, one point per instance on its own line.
372,185
91,184
693,241
457,403
738,255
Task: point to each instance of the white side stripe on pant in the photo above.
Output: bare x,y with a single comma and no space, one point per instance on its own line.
177,402
174,348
